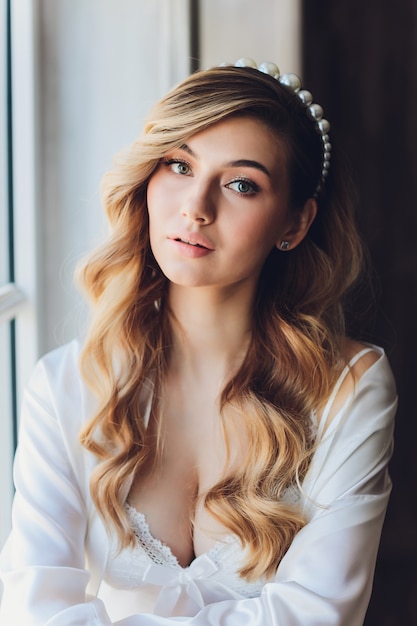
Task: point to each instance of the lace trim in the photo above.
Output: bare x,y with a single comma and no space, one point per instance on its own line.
157,551
162,554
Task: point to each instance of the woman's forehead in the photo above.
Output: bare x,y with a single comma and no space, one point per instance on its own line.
238,137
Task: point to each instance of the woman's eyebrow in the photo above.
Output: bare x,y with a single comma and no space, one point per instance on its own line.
249,163
237,163
187,149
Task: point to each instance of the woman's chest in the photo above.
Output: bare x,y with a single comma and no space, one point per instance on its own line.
170,493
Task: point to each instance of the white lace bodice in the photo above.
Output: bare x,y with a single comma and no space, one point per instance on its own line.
151,561
324,578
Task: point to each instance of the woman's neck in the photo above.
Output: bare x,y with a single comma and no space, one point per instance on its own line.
211,329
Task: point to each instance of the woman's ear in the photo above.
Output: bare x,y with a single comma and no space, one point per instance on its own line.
299,226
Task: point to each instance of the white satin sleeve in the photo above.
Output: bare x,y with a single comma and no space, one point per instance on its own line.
325,578
42,564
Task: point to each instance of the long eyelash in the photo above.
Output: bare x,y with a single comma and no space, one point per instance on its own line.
171,161
243,179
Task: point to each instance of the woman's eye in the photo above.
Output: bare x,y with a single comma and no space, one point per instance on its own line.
178,167
243,186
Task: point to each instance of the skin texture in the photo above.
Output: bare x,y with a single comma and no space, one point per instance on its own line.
226,189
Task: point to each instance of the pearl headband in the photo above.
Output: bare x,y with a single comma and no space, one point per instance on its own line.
314,111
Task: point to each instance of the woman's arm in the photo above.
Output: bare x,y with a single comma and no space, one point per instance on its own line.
324,579
43,562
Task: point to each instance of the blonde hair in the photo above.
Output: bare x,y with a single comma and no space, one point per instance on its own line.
298,325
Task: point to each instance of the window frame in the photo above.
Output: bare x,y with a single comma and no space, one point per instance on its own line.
18,319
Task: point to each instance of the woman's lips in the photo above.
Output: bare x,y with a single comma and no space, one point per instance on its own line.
192,245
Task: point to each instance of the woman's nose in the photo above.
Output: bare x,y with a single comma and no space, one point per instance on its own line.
198,205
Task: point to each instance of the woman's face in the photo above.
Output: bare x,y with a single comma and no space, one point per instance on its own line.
219,204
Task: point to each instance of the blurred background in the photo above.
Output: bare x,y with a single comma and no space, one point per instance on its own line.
77,78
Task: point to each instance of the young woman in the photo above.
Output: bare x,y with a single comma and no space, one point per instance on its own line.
215,453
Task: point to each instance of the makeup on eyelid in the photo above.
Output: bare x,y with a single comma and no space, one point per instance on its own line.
218,205
253,187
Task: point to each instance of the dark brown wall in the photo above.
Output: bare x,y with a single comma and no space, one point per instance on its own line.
360,62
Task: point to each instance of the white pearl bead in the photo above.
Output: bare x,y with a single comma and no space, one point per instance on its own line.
305,96
269,68
246,62
291,80
323,126
315,111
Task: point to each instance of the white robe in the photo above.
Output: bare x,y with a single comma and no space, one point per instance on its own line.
53,563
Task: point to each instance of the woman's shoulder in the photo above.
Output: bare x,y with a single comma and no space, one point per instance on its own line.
58,367
367,364
365,378
56,383
360,356
67,353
